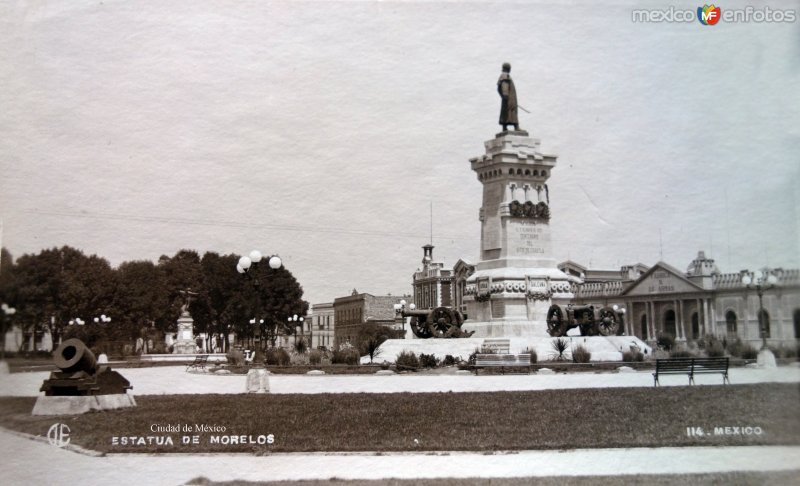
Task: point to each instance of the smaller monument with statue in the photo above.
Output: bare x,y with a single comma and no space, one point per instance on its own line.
185,343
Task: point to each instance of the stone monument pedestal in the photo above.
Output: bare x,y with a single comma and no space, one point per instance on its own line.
516,279
766,359
185,343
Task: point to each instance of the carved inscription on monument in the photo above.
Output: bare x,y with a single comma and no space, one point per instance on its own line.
527,238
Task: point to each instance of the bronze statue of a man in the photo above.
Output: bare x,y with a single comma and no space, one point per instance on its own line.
508,94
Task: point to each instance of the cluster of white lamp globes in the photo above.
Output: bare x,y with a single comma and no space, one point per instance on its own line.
9,311
255,257
618,309
80,322
758,279
398,308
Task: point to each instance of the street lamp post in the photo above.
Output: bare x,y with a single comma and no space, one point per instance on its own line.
257,323
247,266
297,321
250,262
398,312
760,283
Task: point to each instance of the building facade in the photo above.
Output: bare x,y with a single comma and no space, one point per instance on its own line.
687,305
701,301
351,313
323,323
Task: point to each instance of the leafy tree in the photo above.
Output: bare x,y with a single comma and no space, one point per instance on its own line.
141,299
221,304
7,288
60,284
278,295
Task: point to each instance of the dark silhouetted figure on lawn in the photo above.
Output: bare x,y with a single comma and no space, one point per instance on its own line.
508,94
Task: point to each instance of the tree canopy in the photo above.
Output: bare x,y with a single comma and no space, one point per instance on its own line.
59,285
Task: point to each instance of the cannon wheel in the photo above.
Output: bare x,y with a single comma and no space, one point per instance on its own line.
442,322
555,320
419,327
609,323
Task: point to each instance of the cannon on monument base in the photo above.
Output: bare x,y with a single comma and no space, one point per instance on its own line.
81,384
592,321
440,322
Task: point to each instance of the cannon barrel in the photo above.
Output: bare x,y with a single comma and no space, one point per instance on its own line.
73,356
416,313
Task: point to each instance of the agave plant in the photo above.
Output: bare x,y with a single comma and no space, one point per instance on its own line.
560,346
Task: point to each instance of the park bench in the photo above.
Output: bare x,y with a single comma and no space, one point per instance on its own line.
691,367
199,362
503,361
496,354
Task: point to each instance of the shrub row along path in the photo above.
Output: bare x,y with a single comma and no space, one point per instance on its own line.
174,380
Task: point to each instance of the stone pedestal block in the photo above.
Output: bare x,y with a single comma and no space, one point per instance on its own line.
185,343
257,381
61,405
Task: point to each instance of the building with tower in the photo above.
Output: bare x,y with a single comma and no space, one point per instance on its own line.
432,283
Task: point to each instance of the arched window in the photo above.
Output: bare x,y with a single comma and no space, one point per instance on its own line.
763,317
695,326
797,323
730,322
669,323
644,327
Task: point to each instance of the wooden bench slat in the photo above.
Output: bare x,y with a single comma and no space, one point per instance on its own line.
692,366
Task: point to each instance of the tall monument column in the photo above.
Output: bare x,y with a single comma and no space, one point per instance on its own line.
516,279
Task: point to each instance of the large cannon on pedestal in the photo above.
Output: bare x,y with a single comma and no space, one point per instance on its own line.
605,321
80,374
440,322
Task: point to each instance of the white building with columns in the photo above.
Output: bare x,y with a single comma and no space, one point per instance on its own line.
701,301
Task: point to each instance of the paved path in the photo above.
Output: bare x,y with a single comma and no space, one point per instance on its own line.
174,380
31,462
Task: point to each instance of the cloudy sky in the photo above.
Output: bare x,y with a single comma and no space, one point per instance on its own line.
323,132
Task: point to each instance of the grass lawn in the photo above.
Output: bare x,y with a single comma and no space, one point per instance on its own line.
550,419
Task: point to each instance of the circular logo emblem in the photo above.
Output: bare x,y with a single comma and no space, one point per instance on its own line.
58,435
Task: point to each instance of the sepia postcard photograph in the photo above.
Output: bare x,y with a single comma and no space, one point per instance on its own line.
368,243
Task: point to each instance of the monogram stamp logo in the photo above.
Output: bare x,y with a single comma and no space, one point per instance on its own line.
58,435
